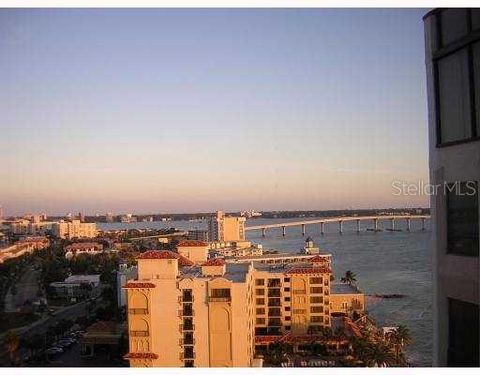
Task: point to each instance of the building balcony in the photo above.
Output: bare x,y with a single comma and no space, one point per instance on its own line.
187,356
139,333
274,312
189,341
187,327
274,322
219,299
274,292
186,313
274,283
138,311
274,302
299,291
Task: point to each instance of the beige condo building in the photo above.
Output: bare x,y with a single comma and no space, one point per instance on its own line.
182,314
223,228
74,229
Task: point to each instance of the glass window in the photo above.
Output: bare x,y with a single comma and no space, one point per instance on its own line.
454,97
315,280
260,320
260,301
260,282
475,12
463,334
260,311
260,292
454,24
476,77
462,218
315,290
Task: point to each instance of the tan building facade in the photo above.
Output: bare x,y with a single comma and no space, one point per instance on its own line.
74,229
182,314
223,228
346,300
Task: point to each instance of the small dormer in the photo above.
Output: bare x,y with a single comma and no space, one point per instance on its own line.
214,267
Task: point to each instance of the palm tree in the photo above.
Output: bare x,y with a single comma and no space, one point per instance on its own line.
380,355
349,278
399,338
12,342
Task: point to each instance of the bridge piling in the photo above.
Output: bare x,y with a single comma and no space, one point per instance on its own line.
264,232
375,224
392,223
358,225
322,228
423,223
408,224
283,230
303,229
340,226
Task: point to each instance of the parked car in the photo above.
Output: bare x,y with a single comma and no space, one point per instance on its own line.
54,350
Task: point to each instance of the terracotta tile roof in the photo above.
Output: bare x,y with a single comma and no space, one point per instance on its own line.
133,285
83,245
318,259
309,270
166,254
214,262
191,243
140,356
266,339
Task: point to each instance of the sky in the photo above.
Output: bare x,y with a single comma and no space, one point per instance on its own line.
164,110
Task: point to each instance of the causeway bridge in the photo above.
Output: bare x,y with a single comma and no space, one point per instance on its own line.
339,222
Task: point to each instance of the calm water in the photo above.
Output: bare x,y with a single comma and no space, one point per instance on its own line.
384,262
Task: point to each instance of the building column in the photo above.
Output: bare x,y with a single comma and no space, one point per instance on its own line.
264,232
358,225
408,224
283,231
303,229
340,226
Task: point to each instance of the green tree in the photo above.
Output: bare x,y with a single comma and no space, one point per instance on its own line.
349,278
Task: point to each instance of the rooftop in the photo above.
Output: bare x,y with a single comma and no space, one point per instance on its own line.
214,262
166,254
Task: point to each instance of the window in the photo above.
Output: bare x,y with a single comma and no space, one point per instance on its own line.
316,319
287,299
454,97
454,24
316,300
463,331
286,289
315,280
259,282
288,318
476,83
260,301
260,320
287,308
299,311
260,311
315,290
286,280
462,219
220,293
260,292
316,309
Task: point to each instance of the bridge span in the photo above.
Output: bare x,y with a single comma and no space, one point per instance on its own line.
340,220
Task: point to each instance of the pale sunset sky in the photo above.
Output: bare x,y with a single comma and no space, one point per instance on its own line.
163,110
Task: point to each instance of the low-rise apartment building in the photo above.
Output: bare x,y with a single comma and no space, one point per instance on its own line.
78,248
